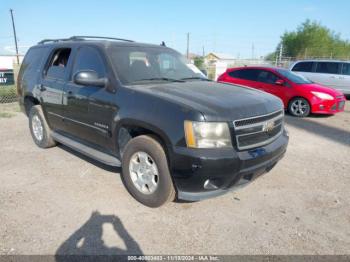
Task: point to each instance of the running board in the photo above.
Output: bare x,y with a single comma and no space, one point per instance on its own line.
86,150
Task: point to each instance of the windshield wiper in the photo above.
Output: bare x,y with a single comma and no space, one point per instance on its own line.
195,77
160,79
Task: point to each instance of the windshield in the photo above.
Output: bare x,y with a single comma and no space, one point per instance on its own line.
141,65
297,79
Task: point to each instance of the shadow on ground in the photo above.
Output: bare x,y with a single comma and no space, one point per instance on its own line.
90,160
321,129
87,240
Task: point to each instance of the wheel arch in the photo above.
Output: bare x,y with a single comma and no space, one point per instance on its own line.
128,130
28,102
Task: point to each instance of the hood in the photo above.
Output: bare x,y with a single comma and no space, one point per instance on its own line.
216,101
320,88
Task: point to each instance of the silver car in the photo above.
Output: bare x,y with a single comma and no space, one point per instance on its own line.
331,73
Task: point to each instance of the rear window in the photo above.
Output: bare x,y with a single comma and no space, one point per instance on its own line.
247,74
346,69
303,67
328,67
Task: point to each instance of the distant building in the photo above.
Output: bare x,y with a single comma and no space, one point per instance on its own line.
213,58
7,61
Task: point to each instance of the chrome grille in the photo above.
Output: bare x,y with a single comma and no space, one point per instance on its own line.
258,131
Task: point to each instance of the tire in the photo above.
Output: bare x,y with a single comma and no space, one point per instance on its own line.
299,107
39,128
145,172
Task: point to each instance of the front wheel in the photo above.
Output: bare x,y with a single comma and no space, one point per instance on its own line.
145,172
299,107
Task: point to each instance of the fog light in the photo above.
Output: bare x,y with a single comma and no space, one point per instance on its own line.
321,107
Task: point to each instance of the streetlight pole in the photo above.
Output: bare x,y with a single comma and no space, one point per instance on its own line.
188,45
14,35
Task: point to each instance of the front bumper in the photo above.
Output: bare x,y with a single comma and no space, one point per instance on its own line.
201,173
319,106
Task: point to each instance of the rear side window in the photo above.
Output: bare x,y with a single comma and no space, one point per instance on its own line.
346,69
58,63
247,74
32,62
303,67
328,67
88,58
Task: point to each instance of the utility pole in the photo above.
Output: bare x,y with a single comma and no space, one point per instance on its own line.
14,35
253,49
188,45
203,52
280,54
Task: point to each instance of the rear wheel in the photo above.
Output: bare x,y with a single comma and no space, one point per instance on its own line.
39,129
299,107
145,172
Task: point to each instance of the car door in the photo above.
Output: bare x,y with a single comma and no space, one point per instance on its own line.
52,85
328,74
267,81
89,108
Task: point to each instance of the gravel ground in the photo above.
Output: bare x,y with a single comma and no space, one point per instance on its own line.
56,201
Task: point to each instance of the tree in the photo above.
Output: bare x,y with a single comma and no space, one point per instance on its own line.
199,61
311,39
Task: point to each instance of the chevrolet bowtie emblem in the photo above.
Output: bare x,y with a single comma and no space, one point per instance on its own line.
268,126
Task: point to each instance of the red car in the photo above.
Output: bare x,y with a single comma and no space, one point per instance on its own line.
299,95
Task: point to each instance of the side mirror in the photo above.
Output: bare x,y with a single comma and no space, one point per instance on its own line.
280,82
89,78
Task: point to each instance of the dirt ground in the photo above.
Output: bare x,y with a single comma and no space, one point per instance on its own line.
55,201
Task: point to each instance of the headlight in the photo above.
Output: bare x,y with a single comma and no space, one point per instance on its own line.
322,95
207,134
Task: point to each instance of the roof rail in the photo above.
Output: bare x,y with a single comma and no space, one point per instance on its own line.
53,40
77,38
99,37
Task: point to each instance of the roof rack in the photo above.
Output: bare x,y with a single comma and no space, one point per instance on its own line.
77,38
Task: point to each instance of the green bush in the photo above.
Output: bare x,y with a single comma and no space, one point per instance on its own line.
8,94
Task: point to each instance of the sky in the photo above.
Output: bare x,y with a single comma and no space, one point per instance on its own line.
242,28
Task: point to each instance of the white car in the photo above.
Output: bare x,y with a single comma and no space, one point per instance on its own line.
331,73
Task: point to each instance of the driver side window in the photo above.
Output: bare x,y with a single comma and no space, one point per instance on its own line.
88,58
267,77
166,63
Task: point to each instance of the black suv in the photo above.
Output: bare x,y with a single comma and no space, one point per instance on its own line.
143,107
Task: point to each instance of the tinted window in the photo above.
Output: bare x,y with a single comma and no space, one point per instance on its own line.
234,74
88,58
297,79
267,77
32,61
346,69
327,67
303,67
58,63
247,74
